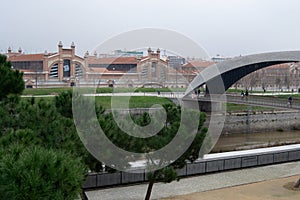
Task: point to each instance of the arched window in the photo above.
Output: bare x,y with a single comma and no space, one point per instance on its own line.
78,71
54,71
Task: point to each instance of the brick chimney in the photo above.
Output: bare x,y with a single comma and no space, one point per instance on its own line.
149,52
158,53
73,49
60,46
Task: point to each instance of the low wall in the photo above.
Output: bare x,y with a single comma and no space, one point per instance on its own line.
247,122
203,166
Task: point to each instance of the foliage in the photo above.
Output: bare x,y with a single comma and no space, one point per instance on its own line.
43,123
161,139
169,173
38,173
11,81
47,126
63,103
232,107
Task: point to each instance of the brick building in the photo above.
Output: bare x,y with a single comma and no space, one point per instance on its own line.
65,68
61,68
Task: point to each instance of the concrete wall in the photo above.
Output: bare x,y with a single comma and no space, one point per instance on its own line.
260,122
204,166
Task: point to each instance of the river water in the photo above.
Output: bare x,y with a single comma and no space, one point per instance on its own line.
242,141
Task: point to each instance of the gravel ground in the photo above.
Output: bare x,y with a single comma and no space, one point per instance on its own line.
266,190
199,183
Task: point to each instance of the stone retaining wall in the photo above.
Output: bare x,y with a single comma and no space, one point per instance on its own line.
247,122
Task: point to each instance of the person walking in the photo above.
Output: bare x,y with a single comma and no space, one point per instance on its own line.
242,95
290,101
246,94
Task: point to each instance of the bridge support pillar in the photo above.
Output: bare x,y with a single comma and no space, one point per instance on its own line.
204,106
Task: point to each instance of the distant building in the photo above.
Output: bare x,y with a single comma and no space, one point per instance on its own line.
193,67
65,68
120,53
277,77
176,61
51,69
219,58
129,71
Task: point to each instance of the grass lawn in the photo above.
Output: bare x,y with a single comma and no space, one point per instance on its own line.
105,101
48,91
232,107
45,91
135,101
148,101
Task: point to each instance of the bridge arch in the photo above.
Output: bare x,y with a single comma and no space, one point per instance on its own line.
232,70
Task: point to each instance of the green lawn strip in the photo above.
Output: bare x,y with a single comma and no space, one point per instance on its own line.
120,102
45,91
232,107
134,102
48,91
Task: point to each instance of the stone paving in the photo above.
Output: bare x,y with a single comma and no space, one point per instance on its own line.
199,183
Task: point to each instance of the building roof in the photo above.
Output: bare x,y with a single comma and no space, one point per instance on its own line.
26,57
112,60
198,64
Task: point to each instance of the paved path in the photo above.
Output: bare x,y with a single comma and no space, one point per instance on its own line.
199,183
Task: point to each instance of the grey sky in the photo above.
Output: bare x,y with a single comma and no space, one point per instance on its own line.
226,27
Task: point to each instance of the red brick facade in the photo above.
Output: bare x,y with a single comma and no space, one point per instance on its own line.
65,68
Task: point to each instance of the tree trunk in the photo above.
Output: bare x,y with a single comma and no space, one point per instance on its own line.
149,190
297,185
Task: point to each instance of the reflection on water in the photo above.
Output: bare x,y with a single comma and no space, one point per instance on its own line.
241,141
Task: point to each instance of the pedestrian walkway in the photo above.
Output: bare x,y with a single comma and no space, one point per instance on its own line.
199,183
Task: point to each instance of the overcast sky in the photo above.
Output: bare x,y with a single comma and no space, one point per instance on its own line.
226,27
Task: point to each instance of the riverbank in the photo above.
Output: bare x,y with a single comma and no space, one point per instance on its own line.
260,121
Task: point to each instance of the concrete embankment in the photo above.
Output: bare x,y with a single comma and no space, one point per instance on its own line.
245,122
249,122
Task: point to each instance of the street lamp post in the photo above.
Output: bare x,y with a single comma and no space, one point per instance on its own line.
176,72
113,81
35,78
